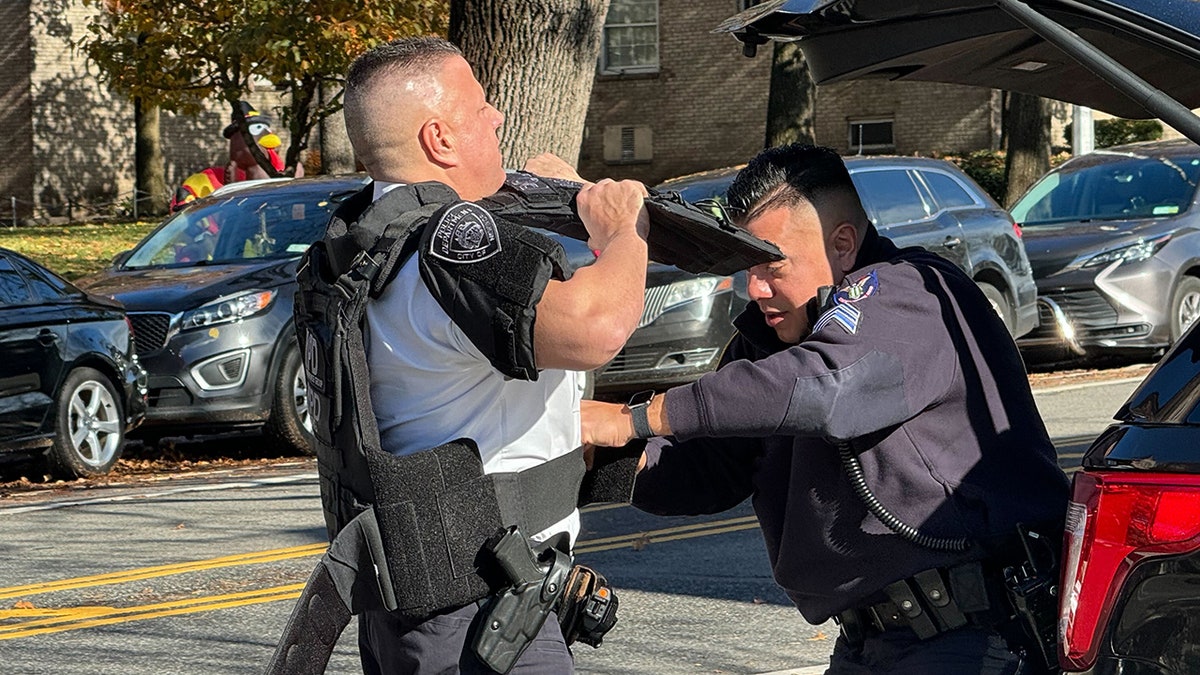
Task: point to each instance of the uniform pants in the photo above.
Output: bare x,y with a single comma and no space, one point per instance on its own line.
389,646
972,649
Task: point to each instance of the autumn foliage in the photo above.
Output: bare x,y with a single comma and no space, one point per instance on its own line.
177,54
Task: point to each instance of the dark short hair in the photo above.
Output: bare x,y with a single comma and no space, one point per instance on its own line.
785,175
410,52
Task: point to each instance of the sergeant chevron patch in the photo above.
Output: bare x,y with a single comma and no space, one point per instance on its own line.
466,233
845,315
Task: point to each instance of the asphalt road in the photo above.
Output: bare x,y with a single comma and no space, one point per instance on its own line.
197,575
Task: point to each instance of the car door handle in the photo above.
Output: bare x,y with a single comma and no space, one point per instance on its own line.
951,242
47,337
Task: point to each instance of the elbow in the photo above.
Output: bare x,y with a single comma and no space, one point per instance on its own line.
606,341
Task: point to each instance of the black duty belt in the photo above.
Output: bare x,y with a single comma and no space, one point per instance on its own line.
928,603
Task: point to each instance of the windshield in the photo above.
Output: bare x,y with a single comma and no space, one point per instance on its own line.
276,223
1108,186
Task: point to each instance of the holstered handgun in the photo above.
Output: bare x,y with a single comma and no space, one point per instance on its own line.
512,617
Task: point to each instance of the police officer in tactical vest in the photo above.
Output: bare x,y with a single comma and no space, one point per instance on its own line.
445,349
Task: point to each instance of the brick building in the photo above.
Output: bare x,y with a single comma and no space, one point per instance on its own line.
69,140
671,98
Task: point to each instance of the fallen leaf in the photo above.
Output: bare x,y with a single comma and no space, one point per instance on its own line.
23,604
641,542
819,636
179,526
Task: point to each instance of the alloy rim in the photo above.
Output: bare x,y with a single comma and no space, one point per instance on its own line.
300,400
94,423
1189,311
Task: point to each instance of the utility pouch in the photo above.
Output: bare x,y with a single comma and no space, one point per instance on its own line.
587,609
512,617
1032,588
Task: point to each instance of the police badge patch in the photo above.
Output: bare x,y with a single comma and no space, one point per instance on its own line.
466,233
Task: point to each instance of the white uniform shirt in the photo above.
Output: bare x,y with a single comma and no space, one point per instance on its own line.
431,385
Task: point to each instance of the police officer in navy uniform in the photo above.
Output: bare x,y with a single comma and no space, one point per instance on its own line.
415,112
861,368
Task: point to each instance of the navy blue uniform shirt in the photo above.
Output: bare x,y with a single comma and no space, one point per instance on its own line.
912,366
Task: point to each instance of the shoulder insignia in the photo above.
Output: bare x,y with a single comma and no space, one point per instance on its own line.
845,315
859,290
466,233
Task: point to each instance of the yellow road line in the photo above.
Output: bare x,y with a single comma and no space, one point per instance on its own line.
254,558
90,617
40,621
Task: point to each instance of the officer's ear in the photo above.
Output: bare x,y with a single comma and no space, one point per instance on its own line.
844,242
438,143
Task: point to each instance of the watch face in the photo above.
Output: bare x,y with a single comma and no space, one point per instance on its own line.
640,398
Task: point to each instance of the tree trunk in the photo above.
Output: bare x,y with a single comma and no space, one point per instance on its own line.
792,103
1027,127
536,60
150,182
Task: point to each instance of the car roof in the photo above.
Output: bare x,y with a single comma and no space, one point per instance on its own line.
332,183
853,163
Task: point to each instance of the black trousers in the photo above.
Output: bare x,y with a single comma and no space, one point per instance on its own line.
972,649
388,646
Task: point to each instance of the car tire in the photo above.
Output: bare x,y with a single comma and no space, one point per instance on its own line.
89,426
1185,307
290,424
999,303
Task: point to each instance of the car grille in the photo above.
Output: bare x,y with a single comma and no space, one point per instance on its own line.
656,298
1085,309
150,331
624,362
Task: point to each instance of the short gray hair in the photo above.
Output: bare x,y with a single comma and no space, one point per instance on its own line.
414,54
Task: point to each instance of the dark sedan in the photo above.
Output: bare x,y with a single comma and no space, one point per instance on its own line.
69,379
209,293
1114,239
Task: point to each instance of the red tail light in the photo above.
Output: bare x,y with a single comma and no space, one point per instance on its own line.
1017,229
1115,521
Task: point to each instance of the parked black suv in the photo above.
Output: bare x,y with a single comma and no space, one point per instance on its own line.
69,379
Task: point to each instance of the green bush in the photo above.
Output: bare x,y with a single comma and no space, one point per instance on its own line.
985,167
1121,131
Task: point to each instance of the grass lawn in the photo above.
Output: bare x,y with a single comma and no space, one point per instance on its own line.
74,250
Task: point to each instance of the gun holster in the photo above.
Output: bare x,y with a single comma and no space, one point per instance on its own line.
1032,588
512,617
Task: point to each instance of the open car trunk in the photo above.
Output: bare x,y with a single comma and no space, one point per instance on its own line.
1129,58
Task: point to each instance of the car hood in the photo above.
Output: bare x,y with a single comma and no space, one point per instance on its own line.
1051,248
178,289
976,42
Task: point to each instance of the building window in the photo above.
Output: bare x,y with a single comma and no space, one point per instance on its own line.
630,40
872,136
628,144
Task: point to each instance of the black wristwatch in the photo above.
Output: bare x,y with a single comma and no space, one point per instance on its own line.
638,403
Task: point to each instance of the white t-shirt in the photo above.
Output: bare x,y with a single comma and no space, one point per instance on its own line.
431,385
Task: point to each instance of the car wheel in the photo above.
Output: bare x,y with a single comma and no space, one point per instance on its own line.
89,426
1185,307
998,302
290,423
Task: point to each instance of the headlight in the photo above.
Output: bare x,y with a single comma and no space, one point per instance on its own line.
226,310
1135,253
690,289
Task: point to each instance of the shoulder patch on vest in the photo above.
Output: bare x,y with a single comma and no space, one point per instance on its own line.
466,233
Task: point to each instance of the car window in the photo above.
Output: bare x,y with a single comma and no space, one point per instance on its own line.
890,196
276,223
948,192
13,289
45,286
1111,186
